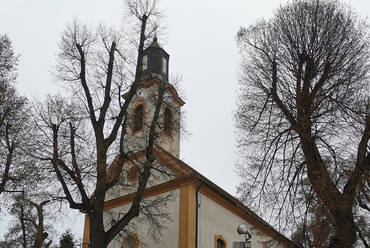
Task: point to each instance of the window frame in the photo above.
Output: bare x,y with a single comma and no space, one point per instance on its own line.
219,237
133,118
168,126
132,235
134,173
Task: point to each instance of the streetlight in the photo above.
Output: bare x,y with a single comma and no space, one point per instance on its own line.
243,229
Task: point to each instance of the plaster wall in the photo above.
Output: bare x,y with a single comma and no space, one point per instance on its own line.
160,174
135,142
217,220
142,228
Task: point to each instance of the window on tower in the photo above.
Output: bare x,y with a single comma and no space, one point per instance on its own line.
145,62
164,65
138,118
168,121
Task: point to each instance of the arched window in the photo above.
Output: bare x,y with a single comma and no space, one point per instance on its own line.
138,118
220,243
130,241
134,173
167,121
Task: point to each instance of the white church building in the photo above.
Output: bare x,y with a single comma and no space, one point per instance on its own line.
181,207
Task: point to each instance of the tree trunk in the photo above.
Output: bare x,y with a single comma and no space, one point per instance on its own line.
339,207
345,235
97,232
24,238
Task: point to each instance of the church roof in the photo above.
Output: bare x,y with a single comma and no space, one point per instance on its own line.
155,43
185,171
188,175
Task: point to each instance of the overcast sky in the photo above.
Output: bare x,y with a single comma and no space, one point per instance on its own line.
202,48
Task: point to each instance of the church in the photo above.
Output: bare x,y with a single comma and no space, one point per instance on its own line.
180,207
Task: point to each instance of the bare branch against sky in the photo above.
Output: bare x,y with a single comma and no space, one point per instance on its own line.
201,43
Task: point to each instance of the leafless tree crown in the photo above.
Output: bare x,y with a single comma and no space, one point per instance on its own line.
303,115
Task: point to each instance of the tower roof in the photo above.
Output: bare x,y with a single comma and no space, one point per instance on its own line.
155,43
155,62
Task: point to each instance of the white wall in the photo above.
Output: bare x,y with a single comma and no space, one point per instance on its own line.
217,220
138,141
140,226
160,174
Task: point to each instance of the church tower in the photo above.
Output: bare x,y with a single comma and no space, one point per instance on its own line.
154,83
173,189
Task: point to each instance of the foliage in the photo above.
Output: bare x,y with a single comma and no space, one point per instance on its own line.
303,116
67,240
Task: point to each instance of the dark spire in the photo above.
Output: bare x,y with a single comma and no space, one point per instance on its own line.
155,43
155,61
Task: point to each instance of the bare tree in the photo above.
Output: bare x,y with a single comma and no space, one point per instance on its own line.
13,120
8,62
13,138
303,115
28,229
317,230
82,136
18,171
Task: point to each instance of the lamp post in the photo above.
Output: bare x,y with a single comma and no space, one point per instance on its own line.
243,229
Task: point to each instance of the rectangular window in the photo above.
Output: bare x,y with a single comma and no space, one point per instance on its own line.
242,244
238,244
145,62
164,65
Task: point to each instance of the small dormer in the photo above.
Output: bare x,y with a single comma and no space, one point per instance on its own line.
155,61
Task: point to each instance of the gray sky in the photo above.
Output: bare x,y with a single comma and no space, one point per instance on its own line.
201,43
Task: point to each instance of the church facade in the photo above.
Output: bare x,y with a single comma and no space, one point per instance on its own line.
180,208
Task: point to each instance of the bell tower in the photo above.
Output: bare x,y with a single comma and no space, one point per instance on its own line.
155,61
142,107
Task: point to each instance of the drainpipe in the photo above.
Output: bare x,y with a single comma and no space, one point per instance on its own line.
196,214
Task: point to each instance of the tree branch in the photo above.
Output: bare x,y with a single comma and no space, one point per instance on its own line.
85,86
